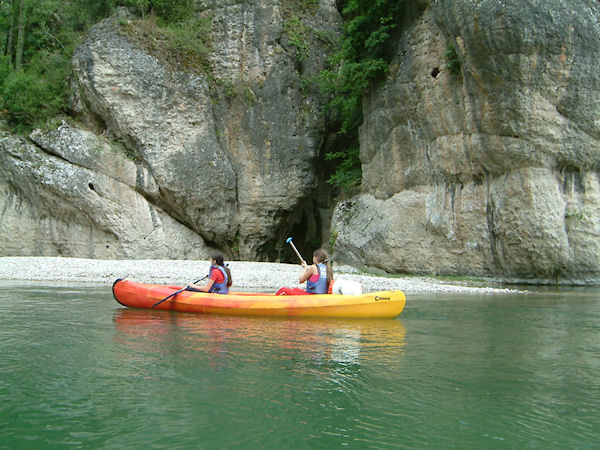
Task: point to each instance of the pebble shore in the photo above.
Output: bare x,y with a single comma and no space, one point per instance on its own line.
261,276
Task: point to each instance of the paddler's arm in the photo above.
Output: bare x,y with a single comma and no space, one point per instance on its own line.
204,288
307,273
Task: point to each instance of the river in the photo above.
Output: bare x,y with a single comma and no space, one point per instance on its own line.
453,371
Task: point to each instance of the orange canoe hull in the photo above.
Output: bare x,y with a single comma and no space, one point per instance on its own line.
374,305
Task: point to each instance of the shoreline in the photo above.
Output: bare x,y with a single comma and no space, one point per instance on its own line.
246,275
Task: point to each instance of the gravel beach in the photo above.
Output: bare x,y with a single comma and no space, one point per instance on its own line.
246,275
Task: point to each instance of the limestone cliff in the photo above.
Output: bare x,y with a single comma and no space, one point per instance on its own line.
80,197
481,152
216,159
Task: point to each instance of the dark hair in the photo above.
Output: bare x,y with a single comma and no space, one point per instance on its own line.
218,257
323,257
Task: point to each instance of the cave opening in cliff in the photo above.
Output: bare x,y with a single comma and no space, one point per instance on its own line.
306,235
311,222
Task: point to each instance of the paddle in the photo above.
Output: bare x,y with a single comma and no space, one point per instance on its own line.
177,292
289,241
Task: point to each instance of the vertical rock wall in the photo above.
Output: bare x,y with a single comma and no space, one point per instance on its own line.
490,169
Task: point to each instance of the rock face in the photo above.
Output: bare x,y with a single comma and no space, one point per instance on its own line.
480,152
218,160
74,195
491,169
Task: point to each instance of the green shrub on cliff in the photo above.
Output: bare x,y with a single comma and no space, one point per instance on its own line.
452,60
183,45
169,11
361,61
190,37
297,35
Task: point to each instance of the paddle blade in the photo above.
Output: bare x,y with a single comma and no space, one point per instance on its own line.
289,241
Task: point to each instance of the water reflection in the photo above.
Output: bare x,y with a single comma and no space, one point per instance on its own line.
342,341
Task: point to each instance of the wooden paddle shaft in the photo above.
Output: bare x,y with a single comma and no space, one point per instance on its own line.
295,249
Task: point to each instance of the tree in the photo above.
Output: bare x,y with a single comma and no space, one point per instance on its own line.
7,10
20,36
35,56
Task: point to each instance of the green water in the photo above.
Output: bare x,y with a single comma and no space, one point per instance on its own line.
77,370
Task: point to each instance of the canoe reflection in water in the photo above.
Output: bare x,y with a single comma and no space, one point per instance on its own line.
225,338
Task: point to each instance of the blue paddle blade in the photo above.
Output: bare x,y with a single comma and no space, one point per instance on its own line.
288,240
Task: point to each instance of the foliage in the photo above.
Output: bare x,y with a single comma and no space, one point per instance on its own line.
452,60
348,172
36,92
183,45
297,34
169,11
32,96
4,67
140,6
29,96
360,62
54,27
190,37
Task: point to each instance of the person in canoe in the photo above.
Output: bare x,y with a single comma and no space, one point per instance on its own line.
219,277
317,276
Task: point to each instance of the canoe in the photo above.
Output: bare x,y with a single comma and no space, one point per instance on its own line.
374,305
